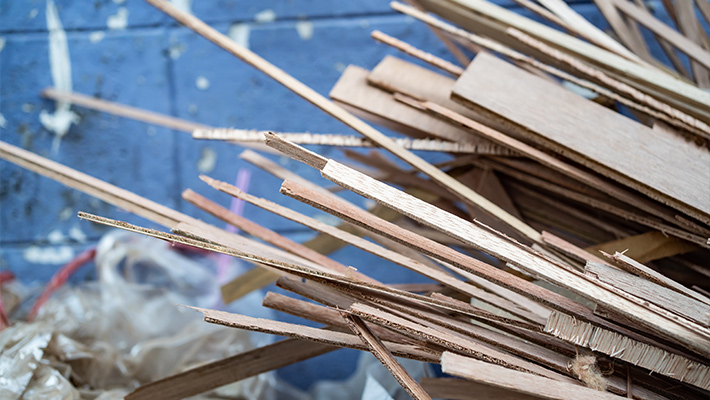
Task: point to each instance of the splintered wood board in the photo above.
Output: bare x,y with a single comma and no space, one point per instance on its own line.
661,165
353,91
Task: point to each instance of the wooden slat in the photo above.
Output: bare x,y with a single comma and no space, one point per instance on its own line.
378,349
635,267
520,382
694,51
308,333
574,126
659,295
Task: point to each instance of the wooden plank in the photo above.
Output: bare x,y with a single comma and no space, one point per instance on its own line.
229,370
624,348
646,247
659,295
691,335
378,349
581,175
520,382
647,75
693,50
635,267
573,126
569,249
632,97
352,90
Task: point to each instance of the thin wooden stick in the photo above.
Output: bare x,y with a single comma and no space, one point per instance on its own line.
308,333
417,53
251,58
378,349
240,136
694,51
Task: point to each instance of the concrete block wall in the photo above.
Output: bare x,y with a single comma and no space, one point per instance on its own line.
128,52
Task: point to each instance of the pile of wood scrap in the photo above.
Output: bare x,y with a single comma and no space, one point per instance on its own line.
566,243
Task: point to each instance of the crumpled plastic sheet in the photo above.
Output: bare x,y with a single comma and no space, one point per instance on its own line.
100,340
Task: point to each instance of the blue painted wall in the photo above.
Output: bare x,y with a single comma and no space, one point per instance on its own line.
155,64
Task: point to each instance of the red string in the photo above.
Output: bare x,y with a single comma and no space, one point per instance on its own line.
60,277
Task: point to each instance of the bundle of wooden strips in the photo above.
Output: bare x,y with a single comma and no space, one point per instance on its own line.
566,243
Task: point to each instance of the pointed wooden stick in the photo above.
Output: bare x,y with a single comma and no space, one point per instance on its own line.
417,53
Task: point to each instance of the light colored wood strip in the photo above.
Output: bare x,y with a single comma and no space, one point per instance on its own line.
635,267
407,48
94,187
450,45
520,382
253,136
228,370
694,337
586,29
251,58
684,44
378,349
644,150
458,261
624,348
137,114
628,34
689,25
659,295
